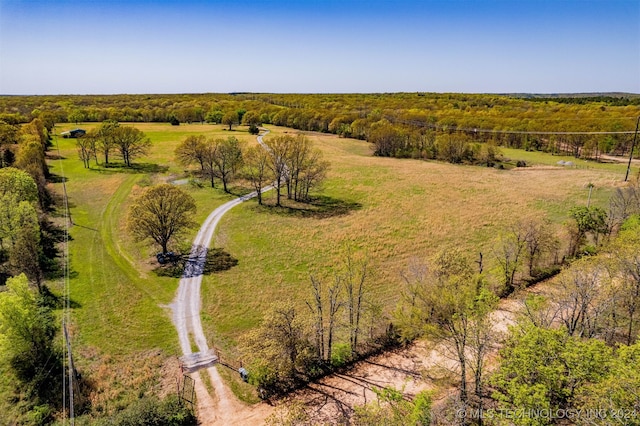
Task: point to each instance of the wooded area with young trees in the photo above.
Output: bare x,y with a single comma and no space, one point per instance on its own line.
28,256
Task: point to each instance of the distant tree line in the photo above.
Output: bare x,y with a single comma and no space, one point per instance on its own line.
410,117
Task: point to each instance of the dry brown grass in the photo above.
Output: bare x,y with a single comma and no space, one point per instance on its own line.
407,209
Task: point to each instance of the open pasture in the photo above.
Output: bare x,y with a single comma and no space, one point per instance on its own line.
118,298
390,210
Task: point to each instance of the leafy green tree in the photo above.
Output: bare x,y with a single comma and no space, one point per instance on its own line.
18,195
104,134
161,213
130,142
625,260
27,332
75,116
31,159
251,118
230,118
18,184
9,134
541,370
7,157
26,251
240,113
387,139
214,116
173,120
616,395
151,411
588,221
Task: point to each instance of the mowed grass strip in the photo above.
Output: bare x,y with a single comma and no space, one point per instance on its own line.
401,209
120,304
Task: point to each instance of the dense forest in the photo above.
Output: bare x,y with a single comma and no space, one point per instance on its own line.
417,125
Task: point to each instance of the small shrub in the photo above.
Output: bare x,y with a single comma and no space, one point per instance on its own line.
151,411
341,355
41,414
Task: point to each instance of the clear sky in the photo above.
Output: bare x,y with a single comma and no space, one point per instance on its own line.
297,46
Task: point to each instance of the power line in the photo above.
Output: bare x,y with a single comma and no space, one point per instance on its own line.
66,316
454,128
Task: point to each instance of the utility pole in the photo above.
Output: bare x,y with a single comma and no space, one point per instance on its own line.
633,145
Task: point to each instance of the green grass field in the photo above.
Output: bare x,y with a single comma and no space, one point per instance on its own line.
120,319
393,210
120,300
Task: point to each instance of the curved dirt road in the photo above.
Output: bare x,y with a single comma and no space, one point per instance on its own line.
221,408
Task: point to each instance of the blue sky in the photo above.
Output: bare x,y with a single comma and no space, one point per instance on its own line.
475,46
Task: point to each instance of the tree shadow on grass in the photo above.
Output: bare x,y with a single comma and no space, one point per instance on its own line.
188,265
55,178
134,168
54,301
320,207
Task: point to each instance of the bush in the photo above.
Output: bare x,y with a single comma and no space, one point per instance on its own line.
341,355
151,411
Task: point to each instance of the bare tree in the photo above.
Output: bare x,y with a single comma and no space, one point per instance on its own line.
227,159
85,152
280,147
208,160
256,169
539,311
296,164
192,150
313,173
509,252
625,260
539,240
450,304
317,309
325,307
355,280
582,302
622,204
